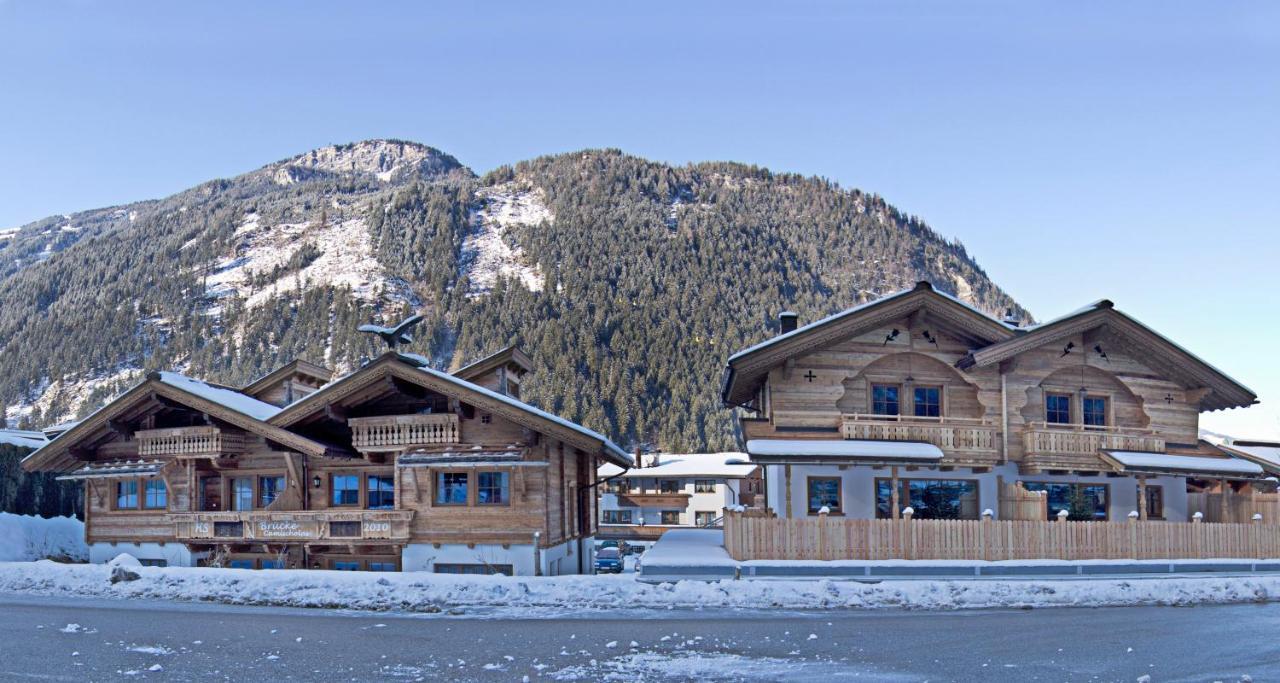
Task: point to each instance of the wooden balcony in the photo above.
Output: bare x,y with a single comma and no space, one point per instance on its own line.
675,501
398,432
1076,446
188,441
962,440
334,526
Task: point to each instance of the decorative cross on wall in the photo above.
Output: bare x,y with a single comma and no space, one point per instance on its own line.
1168,398
810,376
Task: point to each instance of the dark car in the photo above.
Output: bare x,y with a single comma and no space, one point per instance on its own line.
608,561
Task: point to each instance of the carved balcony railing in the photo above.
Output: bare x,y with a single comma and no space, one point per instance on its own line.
962,438
1068,446
397,432
206,440
337,526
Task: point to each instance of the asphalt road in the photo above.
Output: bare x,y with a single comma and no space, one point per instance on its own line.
103,640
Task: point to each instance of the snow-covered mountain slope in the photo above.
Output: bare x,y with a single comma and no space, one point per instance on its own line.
491,249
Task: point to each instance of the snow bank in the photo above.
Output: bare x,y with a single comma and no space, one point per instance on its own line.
33,538
422,592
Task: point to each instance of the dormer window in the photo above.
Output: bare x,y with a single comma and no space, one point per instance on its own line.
884,399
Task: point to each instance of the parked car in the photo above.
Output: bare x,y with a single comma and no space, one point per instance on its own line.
608,561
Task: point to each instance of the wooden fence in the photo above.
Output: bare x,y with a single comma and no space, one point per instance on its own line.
755,535
1238,508
1016,502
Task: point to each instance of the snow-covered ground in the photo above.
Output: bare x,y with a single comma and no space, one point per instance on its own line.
489,251
24,538
423,592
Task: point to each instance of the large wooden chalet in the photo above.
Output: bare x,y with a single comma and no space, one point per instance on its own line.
919,400
395,466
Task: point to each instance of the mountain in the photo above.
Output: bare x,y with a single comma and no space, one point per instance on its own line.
628,281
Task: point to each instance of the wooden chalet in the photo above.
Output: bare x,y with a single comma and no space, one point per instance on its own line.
919,400
396,466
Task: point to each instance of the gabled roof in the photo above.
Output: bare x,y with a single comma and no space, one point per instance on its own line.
22,438
747,367
709,465
511,354
1180,364
295,367
224,403
410,368
1264,453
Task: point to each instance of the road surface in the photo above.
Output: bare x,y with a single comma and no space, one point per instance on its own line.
104,640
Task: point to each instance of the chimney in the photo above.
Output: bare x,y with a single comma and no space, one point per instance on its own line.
787,320
1011,319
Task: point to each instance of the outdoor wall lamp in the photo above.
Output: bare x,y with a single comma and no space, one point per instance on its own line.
315,481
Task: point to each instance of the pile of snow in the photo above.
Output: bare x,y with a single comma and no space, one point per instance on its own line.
423,592
345,259
488,251
25,538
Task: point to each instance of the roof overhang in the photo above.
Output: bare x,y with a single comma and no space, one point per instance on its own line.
1220,390
842,451
1266,454
746,369
409,370
115,468
1134,462
296,367
510,355
57,455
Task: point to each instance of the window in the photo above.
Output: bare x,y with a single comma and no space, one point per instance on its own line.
492,488
346,489
824,492
271,564
127,495
376,566
242,494
929,498
240,564
451,488
153,563
1057,408
269,488
156,496
1095,411
504,569
668,486
884,399
1083,502
345,529
704,518
381,490
704,485
670,517
927,401
617,516
1155,502
346,565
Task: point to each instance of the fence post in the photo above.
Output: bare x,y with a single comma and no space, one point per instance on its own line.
984,534
1256,533
909,544
1133,534
823,512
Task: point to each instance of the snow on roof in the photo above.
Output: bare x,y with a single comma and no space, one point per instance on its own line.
1266,451
1183,463
415,360
223,396
860,448
715,465
59,428
861,307
115,468
22,438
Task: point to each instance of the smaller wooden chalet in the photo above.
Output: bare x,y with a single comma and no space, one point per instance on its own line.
920,400
396,466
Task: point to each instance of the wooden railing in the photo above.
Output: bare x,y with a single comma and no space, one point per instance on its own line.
394,432
765,537
206,440
318,525
951,434
1074,444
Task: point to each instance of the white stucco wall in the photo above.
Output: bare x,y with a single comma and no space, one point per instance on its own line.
556,560
173,554
858,488
725,494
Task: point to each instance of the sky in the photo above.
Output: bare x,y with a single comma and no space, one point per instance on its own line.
1079,151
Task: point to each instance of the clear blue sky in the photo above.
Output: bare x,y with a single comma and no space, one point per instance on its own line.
1080,152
